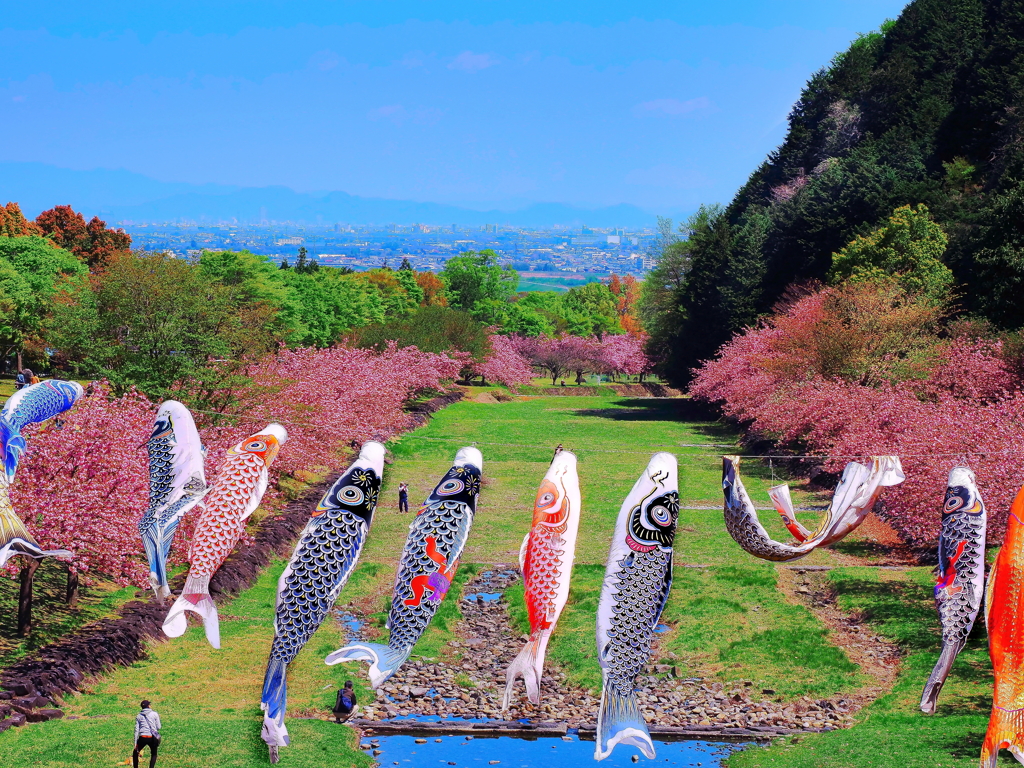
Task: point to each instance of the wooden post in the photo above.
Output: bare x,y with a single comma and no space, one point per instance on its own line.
28,575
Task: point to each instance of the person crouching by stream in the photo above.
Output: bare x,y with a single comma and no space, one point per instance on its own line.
345,705
147,734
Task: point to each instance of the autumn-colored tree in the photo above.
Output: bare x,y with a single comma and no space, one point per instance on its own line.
626,290
396,300
433,289
14,224
92,242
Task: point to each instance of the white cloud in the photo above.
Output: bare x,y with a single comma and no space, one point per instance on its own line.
672,106
393,112
467,61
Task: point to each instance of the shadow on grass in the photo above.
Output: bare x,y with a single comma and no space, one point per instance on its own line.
869,550
701,417
963,745
52,617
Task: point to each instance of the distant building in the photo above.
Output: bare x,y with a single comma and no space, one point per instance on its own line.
289,241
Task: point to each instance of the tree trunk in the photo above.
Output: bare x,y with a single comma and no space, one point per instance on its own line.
71,596
19,361
28,575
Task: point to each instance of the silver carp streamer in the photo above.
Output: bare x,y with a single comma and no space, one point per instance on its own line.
177,483
637,581
858,490
961,579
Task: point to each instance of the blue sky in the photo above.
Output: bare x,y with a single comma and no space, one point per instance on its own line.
483,104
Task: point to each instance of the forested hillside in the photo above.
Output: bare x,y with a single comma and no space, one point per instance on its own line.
926,110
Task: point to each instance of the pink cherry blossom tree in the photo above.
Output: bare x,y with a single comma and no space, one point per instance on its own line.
83,483
957,400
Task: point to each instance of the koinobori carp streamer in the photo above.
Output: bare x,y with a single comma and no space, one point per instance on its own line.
546,559
858,490
637,581
324,558
437,538
235,495
1004,610
177,483
961,579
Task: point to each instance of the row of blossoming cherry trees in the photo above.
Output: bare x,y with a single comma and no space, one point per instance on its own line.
84,482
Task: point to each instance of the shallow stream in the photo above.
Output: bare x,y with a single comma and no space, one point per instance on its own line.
545,752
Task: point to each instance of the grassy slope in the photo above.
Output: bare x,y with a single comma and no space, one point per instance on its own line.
727,618
756,633
52,618
892,731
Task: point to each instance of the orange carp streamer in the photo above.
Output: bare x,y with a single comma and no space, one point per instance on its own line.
1004,612
235,494
546,560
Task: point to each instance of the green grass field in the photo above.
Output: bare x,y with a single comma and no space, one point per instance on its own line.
728,619
892,731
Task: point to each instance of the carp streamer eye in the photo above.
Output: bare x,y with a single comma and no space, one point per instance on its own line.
255,446
954,502
451,486
546,500
660,515
351,495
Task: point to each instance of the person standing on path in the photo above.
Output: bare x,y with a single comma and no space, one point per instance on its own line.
345,705
147,734
403,497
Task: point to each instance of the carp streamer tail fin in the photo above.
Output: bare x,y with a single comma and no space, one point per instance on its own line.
175,624
619,722
383,659
274,703
13,444
529,665
157,564
938,677
1005,730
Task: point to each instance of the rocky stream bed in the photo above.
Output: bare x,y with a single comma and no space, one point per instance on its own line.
470,683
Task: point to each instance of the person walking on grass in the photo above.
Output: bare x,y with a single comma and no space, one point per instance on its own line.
147,734
403,497
345,704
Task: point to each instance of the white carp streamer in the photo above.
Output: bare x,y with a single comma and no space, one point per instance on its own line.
857,492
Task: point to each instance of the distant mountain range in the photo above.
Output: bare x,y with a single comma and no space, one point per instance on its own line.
125,196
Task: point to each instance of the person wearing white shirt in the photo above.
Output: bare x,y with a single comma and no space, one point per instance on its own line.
147,734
